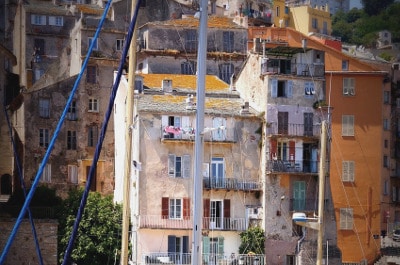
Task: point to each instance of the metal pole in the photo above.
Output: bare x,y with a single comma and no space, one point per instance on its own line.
128,142
321,198
199,140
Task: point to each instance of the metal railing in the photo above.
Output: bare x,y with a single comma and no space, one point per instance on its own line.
215,135
296,166
309,205
208,258
210,223
231,184
293,129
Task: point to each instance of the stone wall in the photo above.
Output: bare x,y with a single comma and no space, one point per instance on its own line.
23,248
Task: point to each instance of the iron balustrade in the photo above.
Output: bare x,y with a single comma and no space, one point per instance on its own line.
294,129
231,184
212,135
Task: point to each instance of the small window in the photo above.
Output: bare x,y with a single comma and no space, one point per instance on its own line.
120,44
188,68
95,44
73,174
91,74
175,208
191,41
39,49
43,137
386,125
56,21
385,161
314,23
281,88
309,89
348,125
38,19
71,140
386,143
71,114
93,105
179,166
348,171
46,175
44,108
386,188
346,218
226,72
228,41
92,135
278,11
345,65
349,87
386,97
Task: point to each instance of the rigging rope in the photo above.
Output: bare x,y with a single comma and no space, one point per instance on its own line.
102,133
21,178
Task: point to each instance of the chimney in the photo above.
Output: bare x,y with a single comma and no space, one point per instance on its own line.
245,108
190,105
166,86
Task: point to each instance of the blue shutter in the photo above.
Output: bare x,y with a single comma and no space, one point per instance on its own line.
171,244
274,88
289,88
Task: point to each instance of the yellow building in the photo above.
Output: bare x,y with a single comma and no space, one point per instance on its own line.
307,19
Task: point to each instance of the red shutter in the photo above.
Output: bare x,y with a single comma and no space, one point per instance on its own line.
186,208
227,208
164,208
292,151
206,213
273,148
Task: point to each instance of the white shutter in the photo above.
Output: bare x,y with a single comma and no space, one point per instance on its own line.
220,133
171,165
185,127
73,174
289,88
206,170
274,88
186,166
312,89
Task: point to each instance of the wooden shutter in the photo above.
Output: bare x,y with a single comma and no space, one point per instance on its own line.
186,208
206,213
164,207
274,88
186,169
292,151
227,208
273,148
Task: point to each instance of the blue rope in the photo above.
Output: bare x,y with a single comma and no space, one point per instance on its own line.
21,178
102,135
51,144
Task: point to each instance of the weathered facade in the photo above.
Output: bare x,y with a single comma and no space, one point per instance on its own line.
162,187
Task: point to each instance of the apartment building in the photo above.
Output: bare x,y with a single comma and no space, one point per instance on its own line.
162,168
333,6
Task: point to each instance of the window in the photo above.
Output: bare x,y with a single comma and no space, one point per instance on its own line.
346,218
175,208
218,171
179,166
188,68
225,72
385,161
347,125
119,44
386,143
93,183
299,195
349,87
325,27
386,188
38,19
278,11
71,114
309,89
93,105
6,184
39,49
345,65
91,74
228,41
386,97
219,129
46,175
38,74
44,108
314,23
283,122
179,247
44,137
386,125
348,171
281,88
191,41
71,140
56,21
92,135
73,174
95,43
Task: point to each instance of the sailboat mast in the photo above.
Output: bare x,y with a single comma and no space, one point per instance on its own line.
128,142
321,198
199,139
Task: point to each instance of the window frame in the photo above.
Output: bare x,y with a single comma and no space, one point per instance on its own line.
348,171
91,74
44,108
44,137
38,20
348,125
349,86
46,174
175,210
346,219
71,140
56,21
93,104
93,135
72,114
228,41
179,166
73,174
95,46
119,44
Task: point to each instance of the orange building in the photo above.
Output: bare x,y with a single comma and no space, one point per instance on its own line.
358,149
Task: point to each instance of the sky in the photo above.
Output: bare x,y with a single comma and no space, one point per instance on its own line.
355,3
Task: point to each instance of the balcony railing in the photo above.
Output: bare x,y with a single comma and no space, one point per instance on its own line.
298,69
215,135
293,129
186,258
300,166
309,205
231,184
158,222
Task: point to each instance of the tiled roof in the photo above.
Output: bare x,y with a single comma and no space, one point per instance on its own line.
191,22
48,7
185,82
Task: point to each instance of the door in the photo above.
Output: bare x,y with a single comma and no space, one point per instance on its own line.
216,215
308,124
299,195
217,171
213,250
283,123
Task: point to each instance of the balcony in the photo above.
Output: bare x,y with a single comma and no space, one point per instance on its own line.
293,129
158,222
275,66
295,166
209,258
307,205
171,133
231,184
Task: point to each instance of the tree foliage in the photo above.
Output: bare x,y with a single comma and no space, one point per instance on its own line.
252,240
374,7
99,235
